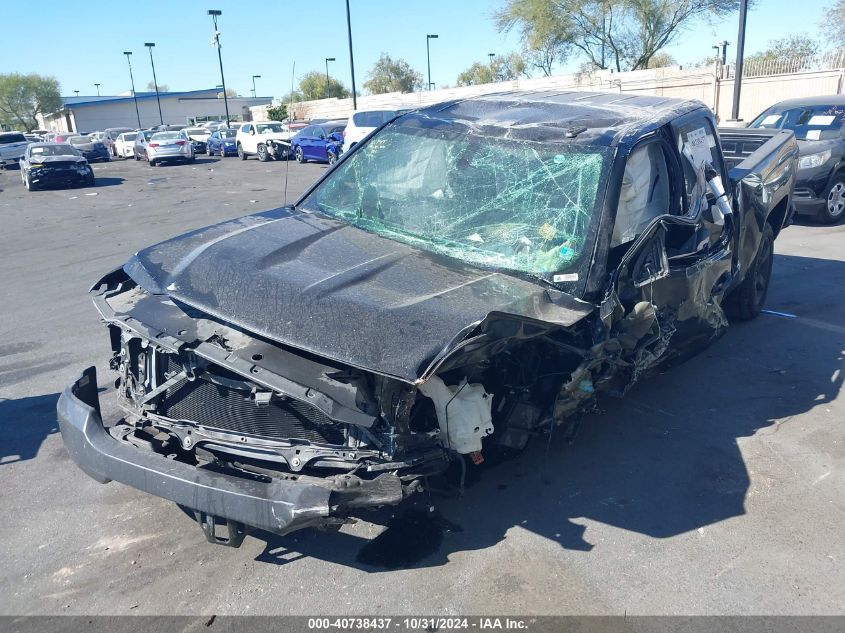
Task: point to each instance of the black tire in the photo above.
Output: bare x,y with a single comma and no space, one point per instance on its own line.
89,181
332,158
300,157
834,209
241,152
747,300
263,154
152,163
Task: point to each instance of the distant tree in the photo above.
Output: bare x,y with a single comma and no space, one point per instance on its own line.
661,60
831,24
231,93
392,75
795,51
161,87
619,34
546,53
501,68
314,86
277,112
23,97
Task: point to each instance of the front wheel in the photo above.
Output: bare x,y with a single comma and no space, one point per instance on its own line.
834,209
28,183
748,299
152,163
300,157
332,158
263,154
241,152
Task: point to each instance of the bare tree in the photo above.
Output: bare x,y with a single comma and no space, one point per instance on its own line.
618,34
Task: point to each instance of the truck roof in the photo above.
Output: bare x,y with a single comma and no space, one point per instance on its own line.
595,118
822,100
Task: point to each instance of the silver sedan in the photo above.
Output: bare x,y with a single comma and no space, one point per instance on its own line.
169,146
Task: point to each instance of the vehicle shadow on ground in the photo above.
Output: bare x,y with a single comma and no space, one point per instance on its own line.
662,461
108,181
24,425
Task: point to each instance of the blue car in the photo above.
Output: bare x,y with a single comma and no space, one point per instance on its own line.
222,142
322,142
93,150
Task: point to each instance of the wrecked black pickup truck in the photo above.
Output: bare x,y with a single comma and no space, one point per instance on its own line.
471,275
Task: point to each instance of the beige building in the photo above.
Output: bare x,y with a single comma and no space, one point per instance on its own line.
87,114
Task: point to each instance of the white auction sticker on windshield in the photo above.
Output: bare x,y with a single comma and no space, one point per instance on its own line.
813,135
771,119
698,146
821,120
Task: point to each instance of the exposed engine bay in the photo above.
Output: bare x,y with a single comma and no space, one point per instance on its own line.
198,390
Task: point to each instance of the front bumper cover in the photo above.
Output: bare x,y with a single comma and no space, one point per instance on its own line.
280,506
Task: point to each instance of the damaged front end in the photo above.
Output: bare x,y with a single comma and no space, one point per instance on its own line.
215,403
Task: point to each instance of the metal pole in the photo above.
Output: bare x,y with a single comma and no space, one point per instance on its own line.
132,79
428,61
328,59
98,89
150,45
214,13
428,56
740,49
254,92
351,59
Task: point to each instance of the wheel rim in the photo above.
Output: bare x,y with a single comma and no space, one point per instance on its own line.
762,274
262,152
299,154
836,200
332,158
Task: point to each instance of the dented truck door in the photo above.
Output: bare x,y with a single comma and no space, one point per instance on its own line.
664,298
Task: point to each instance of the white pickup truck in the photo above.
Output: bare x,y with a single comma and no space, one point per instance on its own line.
265,139
12,147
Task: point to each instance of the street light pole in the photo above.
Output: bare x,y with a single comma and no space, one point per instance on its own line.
428,56
132,79
351,59
491,56
98,89
740,50
254,77
77,92
150,45
216,42
328,59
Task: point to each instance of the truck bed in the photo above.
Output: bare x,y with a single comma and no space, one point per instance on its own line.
746,147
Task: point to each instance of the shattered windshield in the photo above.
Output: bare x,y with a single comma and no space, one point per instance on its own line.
520,205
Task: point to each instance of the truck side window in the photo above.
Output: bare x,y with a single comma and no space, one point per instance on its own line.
645,192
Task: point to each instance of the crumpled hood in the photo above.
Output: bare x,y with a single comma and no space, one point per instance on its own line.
276,136
334,290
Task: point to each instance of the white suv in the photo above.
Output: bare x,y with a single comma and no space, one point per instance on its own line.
265,139
364,122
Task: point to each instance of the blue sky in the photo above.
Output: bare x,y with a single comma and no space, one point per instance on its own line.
265,38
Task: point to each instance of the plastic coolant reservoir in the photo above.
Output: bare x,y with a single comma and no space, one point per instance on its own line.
463,413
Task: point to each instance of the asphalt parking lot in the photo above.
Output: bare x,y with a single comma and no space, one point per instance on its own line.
716,488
